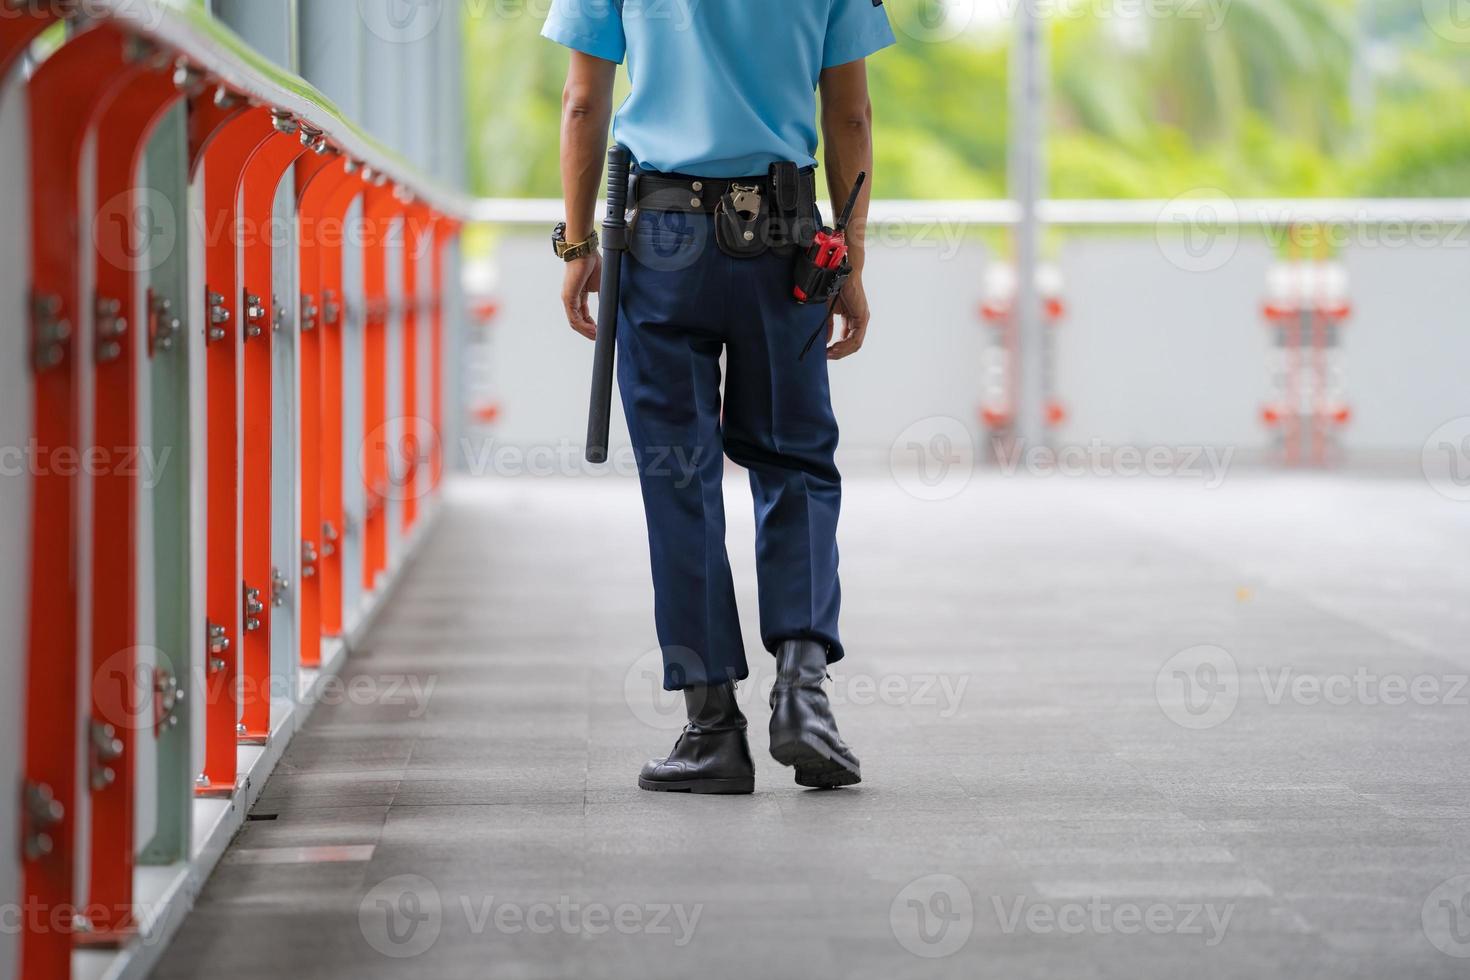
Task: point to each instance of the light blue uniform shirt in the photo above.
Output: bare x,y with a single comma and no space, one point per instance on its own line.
721,88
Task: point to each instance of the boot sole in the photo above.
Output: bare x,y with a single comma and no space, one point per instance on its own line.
817,764
712,786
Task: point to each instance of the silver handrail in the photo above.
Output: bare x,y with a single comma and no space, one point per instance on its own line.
226,59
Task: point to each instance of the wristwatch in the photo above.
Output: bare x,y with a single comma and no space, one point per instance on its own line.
568,251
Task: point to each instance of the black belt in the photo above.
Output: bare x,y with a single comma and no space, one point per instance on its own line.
701,195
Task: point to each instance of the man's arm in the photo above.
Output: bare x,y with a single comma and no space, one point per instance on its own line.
847,140
586,110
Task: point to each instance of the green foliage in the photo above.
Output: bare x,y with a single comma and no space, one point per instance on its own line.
1251,97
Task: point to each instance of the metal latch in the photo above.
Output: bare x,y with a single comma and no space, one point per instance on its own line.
106,747
111,328
52,332
253,607
218,646
218,316
41,811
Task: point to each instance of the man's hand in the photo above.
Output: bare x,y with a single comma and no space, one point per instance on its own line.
583,276
852,306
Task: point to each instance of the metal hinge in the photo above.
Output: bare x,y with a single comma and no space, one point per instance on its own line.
280,588
308,312
331,309
51,332
40,811
329,539
254,316
308,558
218,317
166,698
106,747
253,607
278,322
218,644
163,325
112,326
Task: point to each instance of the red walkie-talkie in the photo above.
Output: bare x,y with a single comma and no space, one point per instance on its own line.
827,252
823,268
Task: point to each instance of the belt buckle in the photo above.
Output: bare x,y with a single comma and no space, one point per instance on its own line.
745,199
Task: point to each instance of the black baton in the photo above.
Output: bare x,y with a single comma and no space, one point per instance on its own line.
614,244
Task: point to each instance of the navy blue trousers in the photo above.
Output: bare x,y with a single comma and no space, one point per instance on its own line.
683,302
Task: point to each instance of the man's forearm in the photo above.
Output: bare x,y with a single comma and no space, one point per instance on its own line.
584,121
847,139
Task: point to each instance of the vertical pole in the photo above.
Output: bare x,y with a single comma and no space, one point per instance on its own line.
1027,179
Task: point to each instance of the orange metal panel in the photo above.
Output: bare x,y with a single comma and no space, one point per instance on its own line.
380,210
330,238
258,308
66,93
317,177
120,238
413,438
19,28
226,155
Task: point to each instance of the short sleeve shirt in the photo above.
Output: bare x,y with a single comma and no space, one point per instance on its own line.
720,88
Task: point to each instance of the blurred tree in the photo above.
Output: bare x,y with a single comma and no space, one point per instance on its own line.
1254,97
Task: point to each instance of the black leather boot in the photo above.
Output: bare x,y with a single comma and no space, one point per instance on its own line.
803,731
712,754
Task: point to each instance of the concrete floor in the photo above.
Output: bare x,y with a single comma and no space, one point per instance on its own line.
1109,728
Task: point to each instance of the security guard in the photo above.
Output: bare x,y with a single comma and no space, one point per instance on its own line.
721,126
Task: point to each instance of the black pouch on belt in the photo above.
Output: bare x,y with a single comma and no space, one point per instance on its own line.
742,223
